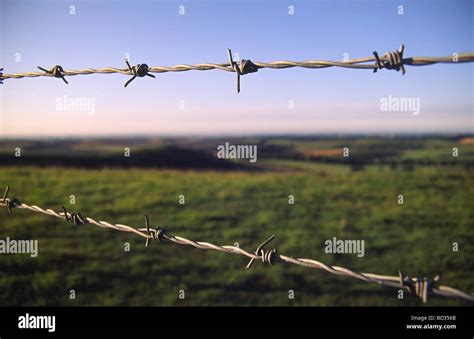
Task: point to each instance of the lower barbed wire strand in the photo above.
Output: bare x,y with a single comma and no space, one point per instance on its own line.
390,281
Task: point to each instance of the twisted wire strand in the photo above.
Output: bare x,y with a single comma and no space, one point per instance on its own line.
361,63
266,256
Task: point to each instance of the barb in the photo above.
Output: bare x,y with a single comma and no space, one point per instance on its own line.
244,67
390,60
75,218
56,71
9,203
267,256
419,287
139,70
158,234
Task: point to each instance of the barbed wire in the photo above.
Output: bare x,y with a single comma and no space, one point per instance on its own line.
420,287
390,60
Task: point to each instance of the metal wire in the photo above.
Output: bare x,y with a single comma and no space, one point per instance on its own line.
420,287
390,60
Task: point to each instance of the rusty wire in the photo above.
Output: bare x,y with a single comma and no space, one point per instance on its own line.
420,287
390,60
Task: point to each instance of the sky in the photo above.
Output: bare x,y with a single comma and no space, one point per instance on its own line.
331,100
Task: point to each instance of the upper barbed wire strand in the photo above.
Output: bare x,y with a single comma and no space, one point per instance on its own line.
272,256
361,63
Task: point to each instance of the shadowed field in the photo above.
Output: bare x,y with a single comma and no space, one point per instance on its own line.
353,198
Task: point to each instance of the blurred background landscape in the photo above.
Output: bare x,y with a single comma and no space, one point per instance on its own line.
230,201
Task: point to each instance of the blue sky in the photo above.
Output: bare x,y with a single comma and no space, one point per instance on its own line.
325,101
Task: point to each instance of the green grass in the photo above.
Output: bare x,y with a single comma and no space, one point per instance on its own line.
243,207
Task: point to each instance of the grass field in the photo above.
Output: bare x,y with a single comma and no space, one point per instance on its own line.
331,200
